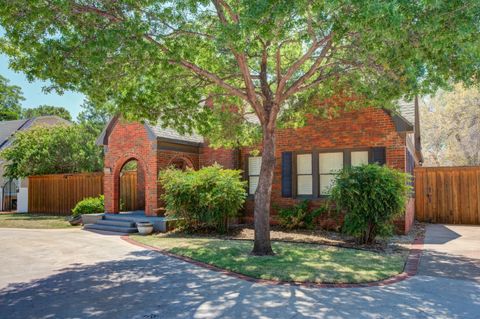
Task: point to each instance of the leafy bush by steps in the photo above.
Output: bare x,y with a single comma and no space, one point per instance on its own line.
203,199
89,205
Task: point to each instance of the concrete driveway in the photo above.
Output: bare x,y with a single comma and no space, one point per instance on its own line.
78,274
452,251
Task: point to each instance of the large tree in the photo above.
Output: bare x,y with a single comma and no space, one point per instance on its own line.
210,65
450,126
94,116
10,100
43,110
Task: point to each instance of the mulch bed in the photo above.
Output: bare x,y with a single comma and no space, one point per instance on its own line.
395,244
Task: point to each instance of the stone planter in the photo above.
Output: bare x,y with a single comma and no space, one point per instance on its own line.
144,228
75,221
91,218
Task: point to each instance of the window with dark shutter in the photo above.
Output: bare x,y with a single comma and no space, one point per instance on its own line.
287,190
379,155
254,164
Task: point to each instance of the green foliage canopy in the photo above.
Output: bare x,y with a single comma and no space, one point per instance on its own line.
210,65
52,150
43,110
160,58
94,116
205,198
10,100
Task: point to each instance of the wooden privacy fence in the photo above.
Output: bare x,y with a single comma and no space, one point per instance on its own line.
128,191
57,194
449,195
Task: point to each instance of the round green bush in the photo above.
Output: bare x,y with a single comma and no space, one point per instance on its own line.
371,196
203,199
89,205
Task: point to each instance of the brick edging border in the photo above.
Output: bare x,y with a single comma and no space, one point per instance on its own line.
410,269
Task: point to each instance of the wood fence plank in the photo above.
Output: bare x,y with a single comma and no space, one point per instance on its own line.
448,195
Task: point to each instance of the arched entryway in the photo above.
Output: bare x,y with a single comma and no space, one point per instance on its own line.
131,187
181,162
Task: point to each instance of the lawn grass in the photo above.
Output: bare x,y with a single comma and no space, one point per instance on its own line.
292,262
32,221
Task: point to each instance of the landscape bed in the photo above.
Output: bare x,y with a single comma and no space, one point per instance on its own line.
293,262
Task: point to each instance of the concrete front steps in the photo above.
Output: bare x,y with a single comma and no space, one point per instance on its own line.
112,223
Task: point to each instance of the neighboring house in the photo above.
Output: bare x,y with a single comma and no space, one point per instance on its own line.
14,193
306,158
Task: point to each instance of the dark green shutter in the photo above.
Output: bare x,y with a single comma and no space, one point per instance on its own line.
287,190
379,155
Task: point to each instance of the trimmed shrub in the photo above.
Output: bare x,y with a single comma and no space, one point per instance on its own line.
371,196
89,205
203,199
299,216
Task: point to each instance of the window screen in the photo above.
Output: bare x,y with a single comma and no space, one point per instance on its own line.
359,158
329,164
254,164
304,174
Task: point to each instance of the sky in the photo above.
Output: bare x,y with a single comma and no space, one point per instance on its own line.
33,94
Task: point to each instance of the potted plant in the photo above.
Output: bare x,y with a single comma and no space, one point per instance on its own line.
145,228
75,220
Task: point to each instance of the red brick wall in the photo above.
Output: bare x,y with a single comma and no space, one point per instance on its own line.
128,141
210,156
356,129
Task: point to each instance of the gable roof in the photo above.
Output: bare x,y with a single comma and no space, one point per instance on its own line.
407,110
9,128
155,130
172,134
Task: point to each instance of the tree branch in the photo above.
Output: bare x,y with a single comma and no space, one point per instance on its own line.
184,63
296,66
243,66
305,77
265,87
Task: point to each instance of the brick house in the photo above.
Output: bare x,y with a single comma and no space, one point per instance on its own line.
306,158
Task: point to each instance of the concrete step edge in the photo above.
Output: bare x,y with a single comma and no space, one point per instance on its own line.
116,229
120,223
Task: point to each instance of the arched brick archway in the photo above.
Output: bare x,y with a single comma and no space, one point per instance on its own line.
124,141
130,141
181,162
134,194
113,205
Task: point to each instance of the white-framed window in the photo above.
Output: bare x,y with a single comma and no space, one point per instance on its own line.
329,164
359,158
254,164
304,174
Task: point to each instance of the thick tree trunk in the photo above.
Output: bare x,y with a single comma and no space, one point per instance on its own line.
262,245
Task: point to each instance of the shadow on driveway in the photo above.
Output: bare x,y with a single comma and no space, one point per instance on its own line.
150,285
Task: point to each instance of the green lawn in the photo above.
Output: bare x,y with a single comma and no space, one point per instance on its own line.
32,221
292,262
